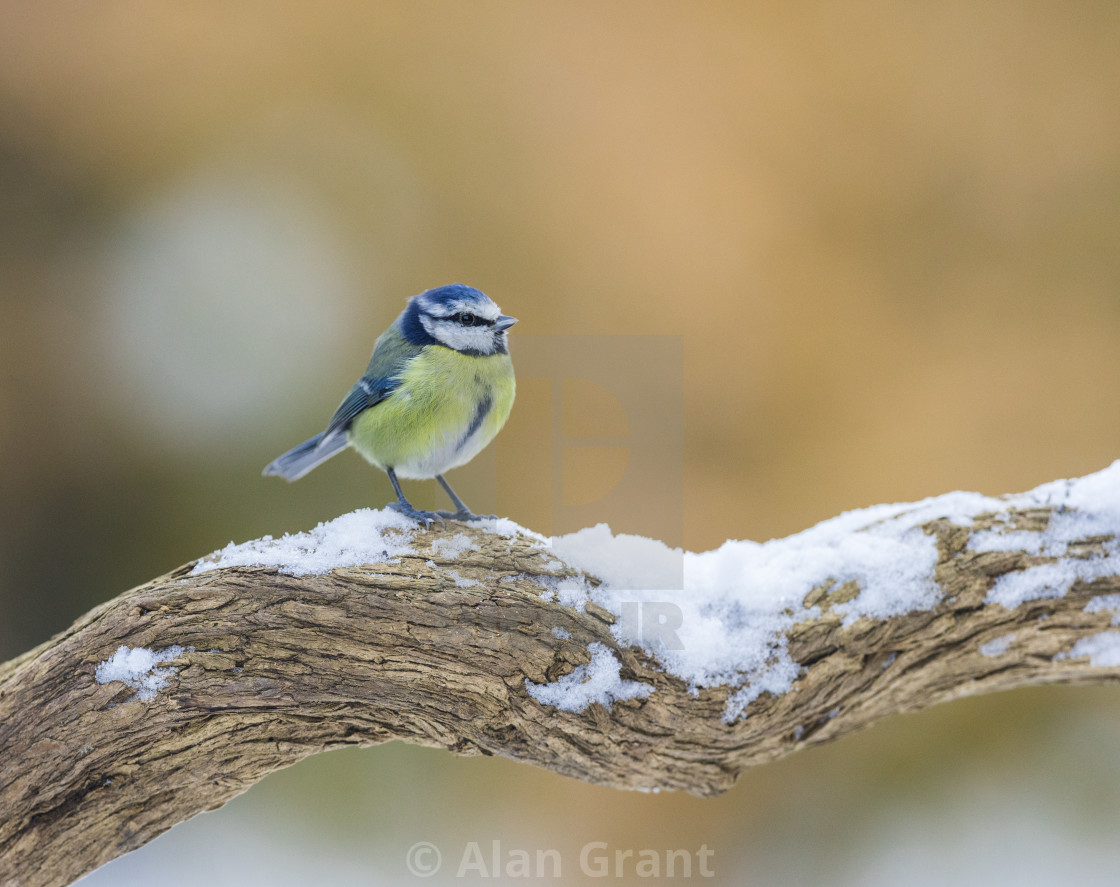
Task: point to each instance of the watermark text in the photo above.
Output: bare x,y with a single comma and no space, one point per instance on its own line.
595,859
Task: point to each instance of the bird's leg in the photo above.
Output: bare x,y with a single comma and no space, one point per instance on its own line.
461,511
405,507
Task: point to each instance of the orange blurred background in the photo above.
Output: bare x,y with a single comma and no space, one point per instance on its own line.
883,236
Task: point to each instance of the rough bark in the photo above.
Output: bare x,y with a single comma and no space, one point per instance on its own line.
285,667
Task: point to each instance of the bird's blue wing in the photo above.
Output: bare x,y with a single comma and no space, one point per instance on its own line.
390,356
366,393
295,463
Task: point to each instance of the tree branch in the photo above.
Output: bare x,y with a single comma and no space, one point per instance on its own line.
275,667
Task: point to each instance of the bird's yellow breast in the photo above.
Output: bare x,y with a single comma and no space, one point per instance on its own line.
447,407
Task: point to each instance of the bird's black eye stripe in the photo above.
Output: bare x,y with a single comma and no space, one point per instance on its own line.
465,318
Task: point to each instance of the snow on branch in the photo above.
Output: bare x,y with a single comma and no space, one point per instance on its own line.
609,658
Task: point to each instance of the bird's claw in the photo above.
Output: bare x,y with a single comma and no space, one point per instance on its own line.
427,518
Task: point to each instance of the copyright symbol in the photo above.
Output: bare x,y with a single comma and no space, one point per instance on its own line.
423,859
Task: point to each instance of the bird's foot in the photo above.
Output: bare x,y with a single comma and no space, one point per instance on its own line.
465,515
427,518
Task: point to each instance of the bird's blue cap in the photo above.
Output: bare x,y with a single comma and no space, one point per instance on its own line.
453,292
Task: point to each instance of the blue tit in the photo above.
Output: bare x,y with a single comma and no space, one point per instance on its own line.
438,388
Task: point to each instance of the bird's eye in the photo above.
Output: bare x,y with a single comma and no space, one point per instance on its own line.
466,319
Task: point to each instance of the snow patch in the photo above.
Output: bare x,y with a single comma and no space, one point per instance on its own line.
503,526
139,668
622,561
998,646
598,681
1050,580
1085,507
1105,603
731,608
1102,649
460,581
365,536
450,549
722,616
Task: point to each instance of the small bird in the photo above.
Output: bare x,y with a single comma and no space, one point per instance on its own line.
438,388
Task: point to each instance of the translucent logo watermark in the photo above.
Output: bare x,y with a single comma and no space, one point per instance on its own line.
596,435
595,859
653,624
423,859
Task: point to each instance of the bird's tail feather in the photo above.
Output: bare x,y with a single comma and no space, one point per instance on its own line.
295,463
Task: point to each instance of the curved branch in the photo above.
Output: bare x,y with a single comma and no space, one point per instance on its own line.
437,650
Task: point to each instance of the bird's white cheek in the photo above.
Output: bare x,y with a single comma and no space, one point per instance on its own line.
462,338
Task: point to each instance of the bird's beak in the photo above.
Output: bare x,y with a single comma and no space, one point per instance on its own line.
504,322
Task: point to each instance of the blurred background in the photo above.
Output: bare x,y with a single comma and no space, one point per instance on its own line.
871,250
